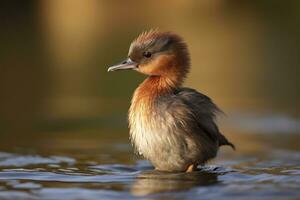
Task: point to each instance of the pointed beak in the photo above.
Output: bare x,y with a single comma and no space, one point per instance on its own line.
126,64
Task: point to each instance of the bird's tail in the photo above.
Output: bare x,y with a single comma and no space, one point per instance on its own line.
223,141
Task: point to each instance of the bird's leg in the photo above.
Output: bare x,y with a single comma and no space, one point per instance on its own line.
191,168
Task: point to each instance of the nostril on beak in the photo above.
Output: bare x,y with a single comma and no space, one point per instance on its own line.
124,62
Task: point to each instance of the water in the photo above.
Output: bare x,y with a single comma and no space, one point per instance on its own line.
99,164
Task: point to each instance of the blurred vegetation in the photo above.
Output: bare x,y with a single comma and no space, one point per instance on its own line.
54,55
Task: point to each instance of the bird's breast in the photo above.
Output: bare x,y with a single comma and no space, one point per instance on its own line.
154,135
147,127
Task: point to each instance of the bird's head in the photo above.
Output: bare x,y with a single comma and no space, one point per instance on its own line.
156,53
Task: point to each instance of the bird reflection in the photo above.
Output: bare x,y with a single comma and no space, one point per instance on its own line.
152,182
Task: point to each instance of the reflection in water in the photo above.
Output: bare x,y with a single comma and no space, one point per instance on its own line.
152,182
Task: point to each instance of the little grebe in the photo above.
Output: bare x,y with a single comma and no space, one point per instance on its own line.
172,126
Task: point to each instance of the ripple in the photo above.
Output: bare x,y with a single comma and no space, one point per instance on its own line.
8,159
60,177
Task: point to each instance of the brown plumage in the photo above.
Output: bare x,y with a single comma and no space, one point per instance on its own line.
172,126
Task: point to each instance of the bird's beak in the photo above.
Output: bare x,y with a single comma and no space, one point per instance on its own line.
126,64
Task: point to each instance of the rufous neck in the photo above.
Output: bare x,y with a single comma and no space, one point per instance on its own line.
152,88
158,85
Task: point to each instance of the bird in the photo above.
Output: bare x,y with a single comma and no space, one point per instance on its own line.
172,126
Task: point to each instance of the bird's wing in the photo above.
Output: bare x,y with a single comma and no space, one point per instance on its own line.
203,112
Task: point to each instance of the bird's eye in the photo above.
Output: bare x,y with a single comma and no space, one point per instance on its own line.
147,54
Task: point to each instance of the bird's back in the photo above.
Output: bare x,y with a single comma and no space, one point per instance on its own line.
204,112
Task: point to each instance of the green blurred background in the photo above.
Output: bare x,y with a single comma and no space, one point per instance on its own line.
54,56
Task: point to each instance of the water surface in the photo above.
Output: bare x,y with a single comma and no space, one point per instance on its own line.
99,164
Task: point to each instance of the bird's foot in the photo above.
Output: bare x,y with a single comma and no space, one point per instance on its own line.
191,168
